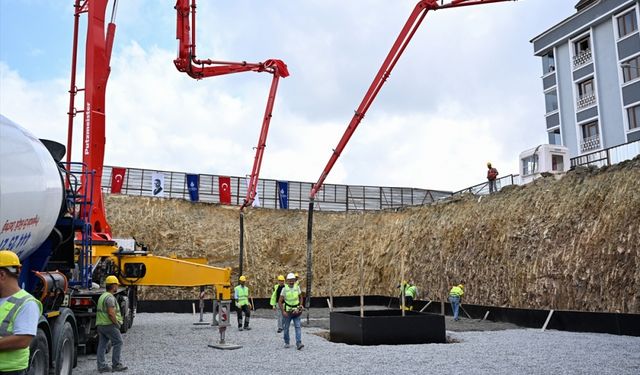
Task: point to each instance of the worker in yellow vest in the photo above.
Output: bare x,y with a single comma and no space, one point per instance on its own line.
410,294
19,315
241,295
108,322
455,296
277,289
290,302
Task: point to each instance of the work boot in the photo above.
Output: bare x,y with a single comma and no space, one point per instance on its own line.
299,345
247,328
119,367
287,346
240,328
279,330
104,369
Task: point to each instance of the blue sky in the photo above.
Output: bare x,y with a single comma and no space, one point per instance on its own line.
467,90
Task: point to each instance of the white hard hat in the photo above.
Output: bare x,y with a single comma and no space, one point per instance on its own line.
291,276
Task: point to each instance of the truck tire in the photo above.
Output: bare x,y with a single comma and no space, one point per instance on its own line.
39,356
64,351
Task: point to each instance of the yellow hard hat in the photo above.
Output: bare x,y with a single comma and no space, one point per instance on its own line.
243,278
488,164
9,259
460,286
280,278
295,274
111,280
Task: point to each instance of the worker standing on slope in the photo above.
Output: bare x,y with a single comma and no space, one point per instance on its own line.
241,295
455,296
291,304
410,294
277,289
108,322
492,174
19,315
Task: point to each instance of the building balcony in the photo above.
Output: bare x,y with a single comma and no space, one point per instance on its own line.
582,58
590,144
585,101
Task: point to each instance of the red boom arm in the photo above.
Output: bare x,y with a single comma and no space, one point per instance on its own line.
401,43
195,68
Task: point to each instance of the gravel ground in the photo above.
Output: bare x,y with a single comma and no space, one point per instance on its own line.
171,344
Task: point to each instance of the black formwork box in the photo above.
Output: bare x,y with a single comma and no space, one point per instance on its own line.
386,327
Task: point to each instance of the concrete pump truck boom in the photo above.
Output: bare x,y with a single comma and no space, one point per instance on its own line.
52,215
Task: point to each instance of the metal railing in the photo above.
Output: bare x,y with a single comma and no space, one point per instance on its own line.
331,197
582,58
608,156
586,101
483,188
590,143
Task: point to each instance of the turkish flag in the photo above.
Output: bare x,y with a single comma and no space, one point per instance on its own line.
117,178
224,184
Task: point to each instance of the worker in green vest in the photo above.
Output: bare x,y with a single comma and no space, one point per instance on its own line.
108,322
277,289
19,315
455,296
410,294
290,302
241,295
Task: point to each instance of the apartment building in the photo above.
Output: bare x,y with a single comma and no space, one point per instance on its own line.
591,76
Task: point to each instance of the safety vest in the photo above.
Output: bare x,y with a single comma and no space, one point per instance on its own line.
456,291
14,360
275,295
291,297
102,316
242,295
410,291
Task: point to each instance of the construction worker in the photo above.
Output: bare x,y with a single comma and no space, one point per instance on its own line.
455,296
241,295
19,315
277,289
290,303
108,322
410,294
492,174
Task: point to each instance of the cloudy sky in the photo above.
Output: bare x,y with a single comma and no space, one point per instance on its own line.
466,91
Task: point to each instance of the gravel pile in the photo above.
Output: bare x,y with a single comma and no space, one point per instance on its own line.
171,344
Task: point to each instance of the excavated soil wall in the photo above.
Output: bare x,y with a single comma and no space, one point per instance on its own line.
572,243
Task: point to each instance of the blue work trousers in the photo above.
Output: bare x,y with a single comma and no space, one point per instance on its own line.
296,323
455,306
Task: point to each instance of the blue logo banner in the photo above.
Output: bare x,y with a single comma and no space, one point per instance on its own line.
193,180
283,194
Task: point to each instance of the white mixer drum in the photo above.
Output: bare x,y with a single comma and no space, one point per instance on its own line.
31,190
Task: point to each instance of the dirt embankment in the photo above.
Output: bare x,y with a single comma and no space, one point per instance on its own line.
567,244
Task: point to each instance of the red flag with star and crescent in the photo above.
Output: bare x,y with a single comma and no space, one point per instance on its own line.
117,178
224,185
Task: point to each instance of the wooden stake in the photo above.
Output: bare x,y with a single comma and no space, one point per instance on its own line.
330,281
402,283
361,283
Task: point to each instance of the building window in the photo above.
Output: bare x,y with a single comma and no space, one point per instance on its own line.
557,163
554,137
586,94
548,63
590,137
631,69
627,23
551,101
634,117
530,165
582,51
